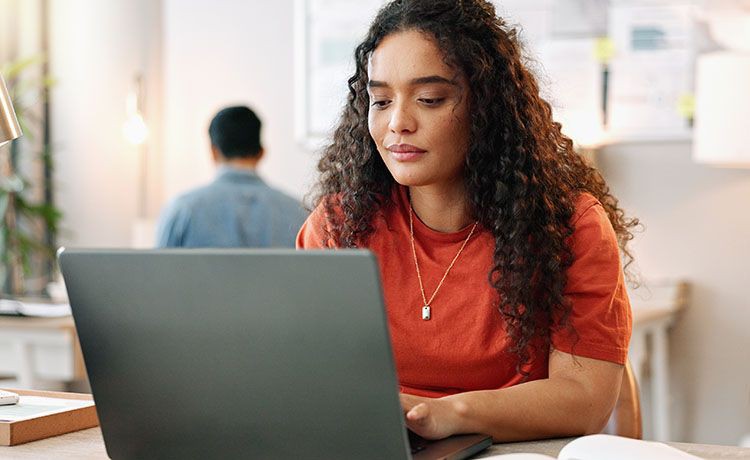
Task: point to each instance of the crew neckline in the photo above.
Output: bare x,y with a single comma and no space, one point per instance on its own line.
422,230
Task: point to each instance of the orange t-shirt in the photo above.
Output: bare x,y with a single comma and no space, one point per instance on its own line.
465,345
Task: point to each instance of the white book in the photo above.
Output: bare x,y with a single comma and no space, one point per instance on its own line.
609,447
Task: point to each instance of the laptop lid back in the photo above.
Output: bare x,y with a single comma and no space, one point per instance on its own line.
237,353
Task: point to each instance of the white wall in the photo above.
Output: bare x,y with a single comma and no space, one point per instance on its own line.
697,227
227,52
96,49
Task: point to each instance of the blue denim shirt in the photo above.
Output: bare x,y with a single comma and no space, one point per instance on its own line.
237,209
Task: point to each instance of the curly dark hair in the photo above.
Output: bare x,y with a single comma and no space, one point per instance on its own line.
522,174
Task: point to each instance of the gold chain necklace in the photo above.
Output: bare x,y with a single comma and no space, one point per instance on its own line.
426,310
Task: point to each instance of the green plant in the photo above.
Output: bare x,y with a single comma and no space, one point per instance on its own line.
28,227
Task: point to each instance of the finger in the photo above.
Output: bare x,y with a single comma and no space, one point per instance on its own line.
418,413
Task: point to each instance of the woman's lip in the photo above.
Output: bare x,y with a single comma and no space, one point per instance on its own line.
407,156
404,148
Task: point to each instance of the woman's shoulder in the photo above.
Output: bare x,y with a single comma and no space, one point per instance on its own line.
586,206
327,206
591,224
328,214
314,233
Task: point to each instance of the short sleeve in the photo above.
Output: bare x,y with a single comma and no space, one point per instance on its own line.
600,317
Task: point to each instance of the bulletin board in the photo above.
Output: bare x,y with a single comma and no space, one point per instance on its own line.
632,94
326,33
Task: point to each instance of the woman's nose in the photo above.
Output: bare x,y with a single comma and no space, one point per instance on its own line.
402,119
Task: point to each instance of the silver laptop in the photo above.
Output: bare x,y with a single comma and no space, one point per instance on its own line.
242,354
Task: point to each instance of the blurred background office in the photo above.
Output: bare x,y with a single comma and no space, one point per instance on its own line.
655,92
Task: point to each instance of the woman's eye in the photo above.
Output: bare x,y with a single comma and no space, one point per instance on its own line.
380,104
431,101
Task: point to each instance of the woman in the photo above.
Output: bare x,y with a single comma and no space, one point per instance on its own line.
497,244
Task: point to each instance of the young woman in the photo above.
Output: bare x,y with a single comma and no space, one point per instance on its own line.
499,247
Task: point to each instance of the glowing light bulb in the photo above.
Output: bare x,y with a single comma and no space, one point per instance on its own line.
135,129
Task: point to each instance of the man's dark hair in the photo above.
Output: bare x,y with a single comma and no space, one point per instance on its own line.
235,131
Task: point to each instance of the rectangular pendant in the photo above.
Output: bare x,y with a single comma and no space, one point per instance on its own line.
426,312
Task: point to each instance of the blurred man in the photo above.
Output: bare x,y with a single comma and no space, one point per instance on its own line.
237,209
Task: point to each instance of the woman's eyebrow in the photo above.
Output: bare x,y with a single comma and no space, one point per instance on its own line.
431,79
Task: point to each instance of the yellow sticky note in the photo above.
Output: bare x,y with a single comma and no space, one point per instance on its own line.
686,105
604,49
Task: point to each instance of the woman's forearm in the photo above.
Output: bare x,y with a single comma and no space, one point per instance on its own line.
562,405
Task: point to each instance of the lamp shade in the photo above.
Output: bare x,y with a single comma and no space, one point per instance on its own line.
9,128
722,109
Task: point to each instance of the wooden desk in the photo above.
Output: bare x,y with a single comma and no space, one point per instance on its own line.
34,349
88,445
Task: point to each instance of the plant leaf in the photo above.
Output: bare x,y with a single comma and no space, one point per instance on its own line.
13,69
